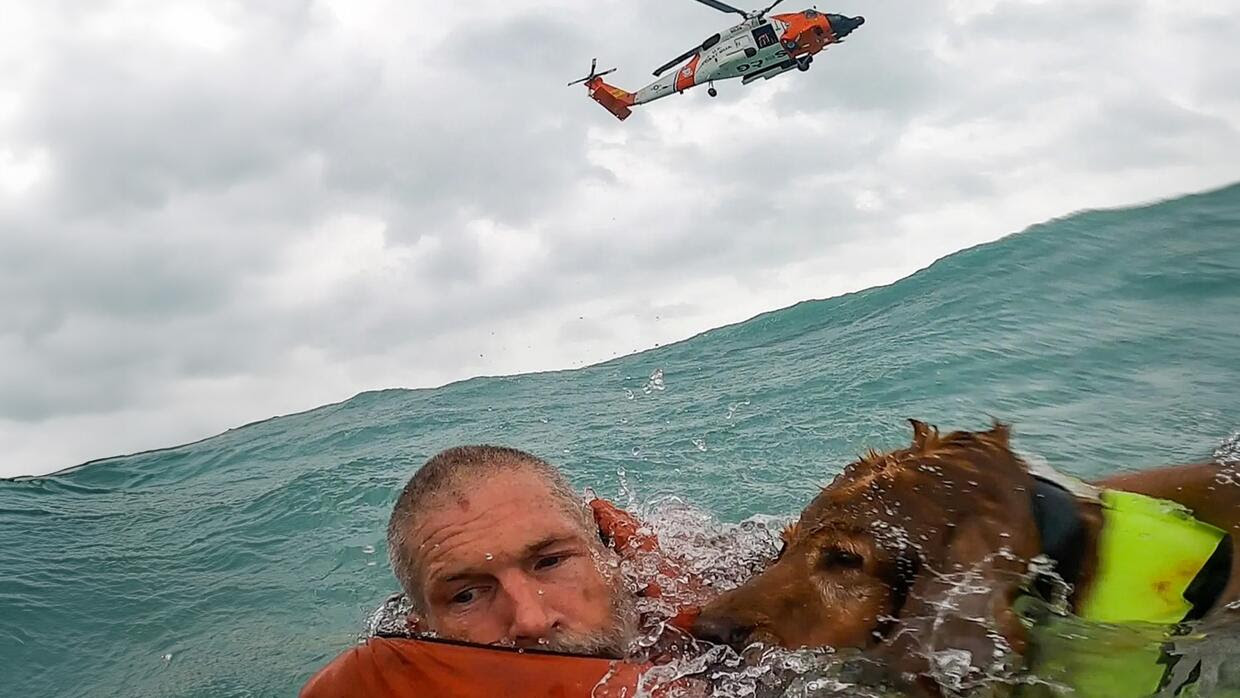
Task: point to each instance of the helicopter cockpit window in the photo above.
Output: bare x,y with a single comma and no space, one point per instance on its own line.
810,14
710,43
764,36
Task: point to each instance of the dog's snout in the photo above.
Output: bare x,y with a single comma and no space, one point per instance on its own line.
722,630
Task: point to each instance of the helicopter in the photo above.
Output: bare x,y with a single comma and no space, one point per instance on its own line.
758,47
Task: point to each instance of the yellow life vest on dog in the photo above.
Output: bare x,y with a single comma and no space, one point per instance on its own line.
1149,552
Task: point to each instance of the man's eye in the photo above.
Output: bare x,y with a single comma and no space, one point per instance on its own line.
465,597
546,563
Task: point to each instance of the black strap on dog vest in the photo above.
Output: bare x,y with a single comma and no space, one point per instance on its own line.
1058,519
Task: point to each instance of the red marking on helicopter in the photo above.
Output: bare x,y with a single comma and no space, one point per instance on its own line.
686,76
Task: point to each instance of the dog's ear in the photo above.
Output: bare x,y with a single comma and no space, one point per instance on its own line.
923,434
957,624
1000,434
971,566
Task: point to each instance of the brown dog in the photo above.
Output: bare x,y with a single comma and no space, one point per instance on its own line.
928,547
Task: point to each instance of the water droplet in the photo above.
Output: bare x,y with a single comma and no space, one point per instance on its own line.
656,382
628,394
490,556
700,444
736,406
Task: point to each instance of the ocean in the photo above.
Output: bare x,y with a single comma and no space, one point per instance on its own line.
237,565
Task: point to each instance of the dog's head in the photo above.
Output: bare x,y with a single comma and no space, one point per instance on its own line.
884,547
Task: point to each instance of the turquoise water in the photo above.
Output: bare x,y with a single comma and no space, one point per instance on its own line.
238,565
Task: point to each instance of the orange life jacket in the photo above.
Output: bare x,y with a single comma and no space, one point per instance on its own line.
420,668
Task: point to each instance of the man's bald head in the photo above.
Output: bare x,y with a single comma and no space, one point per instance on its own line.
454,471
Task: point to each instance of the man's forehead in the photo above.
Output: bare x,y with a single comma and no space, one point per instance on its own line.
495,487
486,502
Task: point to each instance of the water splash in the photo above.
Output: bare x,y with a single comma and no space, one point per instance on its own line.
656,382
390,618
1228,452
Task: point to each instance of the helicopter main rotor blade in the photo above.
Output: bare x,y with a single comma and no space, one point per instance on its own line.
723,7
684,56
772,6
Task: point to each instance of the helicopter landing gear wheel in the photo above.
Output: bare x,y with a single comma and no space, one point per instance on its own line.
712,91
804,62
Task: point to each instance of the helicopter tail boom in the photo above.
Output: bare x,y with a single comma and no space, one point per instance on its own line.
613,99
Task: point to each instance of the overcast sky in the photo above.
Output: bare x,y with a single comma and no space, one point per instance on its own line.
215,212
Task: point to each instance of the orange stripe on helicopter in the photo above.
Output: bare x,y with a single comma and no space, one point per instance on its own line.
806,35
687,77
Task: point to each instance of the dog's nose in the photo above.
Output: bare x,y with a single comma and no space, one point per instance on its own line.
722,631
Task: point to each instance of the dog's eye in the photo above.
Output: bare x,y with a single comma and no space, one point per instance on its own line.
839,559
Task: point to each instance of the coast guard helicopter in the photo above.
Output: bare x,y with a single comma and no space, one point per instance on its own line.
758,47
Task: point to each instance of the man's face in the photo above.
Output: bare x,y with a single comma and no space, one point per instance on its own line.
500,562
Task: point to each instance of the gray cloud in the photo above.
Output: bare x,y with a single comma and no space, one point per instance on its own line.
211,214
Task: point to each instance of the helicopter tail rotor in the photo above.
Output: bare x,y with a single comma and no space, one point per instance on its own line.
614,99
593,74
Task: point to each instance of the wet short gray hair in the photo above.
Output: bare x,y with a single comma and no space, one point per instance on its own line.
453,468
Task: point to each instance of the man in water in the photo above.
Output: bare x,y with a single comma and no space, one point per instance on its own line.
493,547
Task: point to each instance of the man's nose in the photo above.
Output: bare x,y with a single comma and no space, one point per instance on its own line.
532,618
